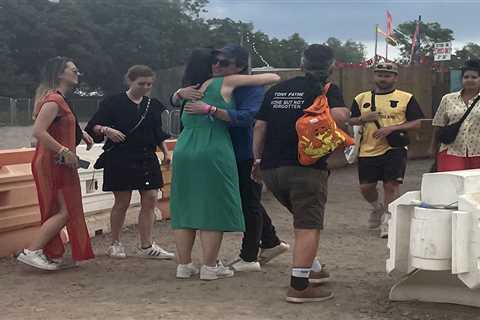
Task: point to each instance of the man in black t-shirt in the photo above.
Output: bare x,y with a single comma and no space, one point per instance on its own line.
301,189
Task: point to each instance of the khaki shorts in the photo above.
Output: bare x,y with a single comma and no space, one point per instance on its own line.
303,191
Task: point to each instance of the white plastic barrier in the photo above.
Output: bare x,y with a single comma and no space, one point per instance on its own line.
434,240
91,181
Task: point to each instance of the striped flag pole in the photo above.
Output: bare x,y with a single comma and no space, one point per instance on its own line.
415,40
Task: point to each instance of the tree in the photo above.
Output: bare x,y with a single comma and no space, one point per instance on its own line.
430,33
348,52
469,51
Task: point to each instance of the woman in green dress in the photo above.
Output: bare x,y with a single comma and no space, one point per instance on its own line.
205,190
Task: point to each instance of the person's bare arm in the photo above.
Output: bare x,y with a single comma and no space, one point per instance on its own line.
341,115
409,125
240,80
44,119
259,133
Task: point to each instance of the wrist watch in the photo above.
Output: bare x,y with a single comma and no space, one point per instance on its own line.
257,161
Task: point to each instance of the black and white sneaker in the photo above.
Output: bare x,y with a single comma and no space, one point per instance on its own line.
155,252
37,260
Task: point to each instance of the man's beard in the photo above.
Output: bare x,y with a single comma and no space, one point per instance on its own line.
385,86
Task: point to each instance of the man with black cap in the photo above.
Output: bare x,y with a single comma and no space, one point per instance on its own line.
301,189
385,114
260,242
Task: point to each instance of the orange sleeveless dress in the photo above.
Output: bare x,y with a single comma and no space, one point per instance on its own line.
51,178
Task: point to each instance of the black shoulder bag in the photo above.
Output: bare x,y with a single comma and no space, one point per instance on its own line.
100,163
396,139
448,134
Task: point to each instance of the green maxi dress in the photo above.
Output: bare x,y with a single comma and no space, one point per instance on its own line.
205,190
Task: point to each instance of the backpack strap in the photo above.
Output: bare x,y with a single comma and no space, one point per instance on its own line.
326,88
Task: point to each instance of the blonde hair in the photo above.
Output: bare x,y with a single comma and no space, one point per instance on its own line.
49,77
137,71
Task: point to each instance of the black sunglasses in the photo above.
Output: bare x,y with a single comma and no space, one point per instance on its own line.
222,62
385,66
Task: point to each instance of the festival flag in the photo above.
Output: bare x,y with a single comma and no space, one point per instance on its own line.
389,24
386,36
415,53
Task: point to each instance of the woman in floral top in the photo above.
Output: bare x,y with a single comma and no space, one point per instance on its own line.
464,152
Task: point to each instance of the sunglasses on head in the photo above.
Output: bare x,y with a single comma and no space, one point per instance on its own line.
385,66
222,62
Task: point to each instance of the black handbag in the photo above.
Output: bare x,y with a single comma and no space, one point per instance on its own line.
396,139
102,158
448,134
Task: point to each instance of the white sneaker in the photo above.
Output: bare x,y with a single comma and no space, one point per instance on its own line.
155,252
36,259
185,271
268,254
375,218
116,250
384,226
241,265
214,273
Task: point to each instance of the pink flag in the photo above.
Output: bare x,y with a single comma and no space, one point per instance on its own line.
389,24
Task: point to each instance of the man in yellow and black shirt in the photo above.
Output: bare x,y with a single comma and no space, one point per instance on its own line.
381,112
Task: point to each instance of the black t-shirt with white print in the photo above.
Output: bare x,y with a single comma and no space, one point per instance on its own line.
282,106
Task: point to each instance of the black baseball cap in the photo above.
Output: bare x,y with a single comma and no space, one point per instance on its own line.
234,51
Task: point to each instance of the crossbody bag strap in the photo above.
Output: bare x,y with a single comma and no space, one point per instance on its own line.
373,106
465,115
142,117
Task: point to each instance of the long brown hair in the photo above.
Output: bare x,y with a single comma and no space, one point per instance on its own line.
49,77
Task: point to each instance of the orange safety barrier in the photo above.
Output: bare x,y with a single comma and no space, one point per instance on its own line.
19,211
163,203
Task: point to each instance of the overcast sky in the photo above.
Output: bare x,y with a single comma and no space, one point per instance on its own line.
316,20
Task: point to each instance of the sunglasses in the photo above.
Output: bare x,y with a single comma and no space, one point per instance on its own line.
385,66
222,62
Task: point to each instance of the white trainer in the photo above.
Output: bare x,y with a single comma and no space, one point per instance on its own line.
384,226
116,250
244,266
155,252
375,218
36,259
214,273
268,254
186,271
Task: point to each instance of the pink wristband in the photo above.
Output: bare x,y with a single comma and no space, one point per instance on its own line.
205,108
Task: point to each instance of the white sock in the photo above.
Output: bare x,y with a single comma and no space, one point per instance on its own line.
316,265
301,272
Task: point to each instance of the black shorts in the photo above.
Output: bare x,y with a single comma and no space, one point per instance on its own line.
389,166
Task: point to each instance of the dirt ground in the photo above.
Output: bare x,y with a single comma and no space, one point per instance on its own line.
146,289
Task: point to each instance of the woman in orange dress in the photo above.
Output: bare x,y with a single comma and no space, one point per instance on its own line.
54,168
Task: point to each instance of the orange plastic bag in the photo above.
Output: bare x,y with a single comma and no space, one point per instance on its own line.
318,134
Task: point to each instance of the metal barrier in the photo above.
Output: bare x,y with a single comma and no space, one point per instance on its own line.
18,112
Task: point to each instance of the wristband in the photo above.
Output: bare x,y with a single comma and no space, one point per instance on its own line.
63,150
257,161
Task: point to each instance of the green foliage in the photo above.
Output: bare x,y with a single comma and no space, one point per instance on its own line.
348,52
430,33
105,37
